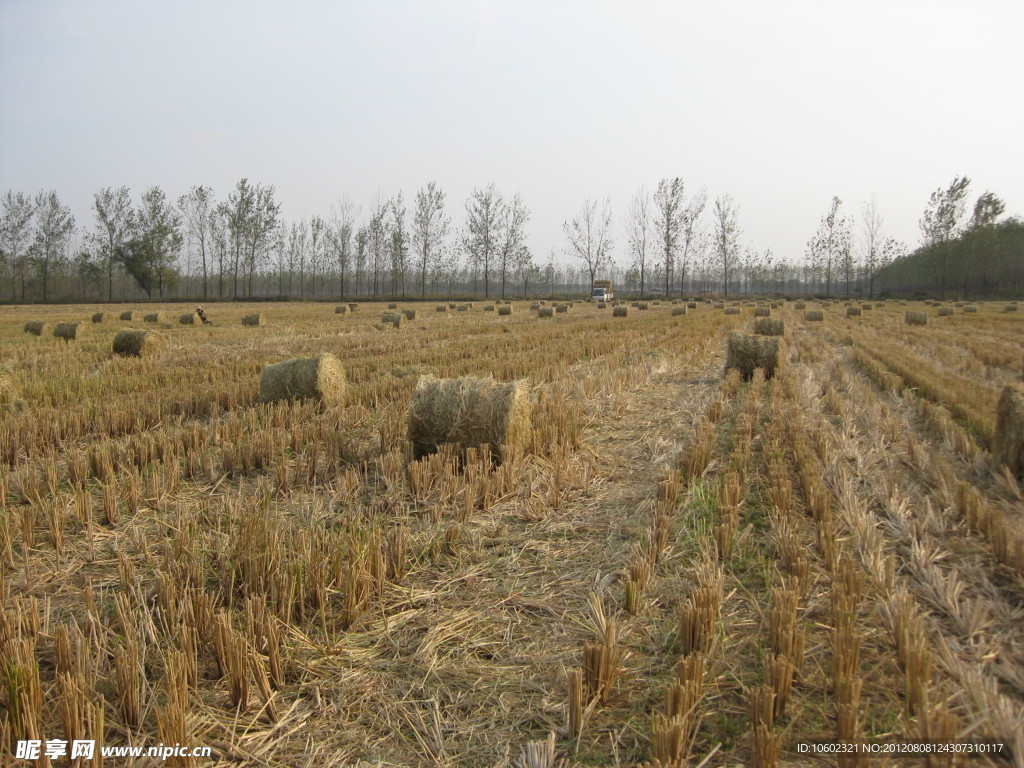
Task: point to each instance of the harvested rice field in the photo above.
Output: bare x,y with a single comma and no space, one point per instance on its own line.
664,564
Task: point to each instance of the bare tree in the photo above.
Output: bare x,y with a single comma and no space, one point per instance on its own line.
16,236
589,236
727,233
640,233
668,205
481,236
196,206
513,236
430,227
114,222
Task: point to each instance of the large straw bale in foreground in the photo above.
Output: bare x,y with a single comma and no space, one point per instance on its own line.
392,318
691,305
676,311
853,311
69,331
505,309
97,317
468,412
916,318
562,308
188,318
750,352
37,327
768,326
620,311
134,343
814,315
304,378
1008,442
410,314
546,312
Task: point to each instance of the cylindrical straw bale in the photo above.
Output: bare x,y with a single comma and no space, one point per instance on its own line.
945,311
253,319
762,312
410,314
853,311
748,353
488,307
691,305
134,343
392,306
469,412
463,307
800,305
341,309
865,307
129,315
719,305
535,306
37,327
1008,441
505,309
441,308
678,311
154,317
452,306
768,326
971,308
392,318
879,304
546,312
353,307
602,304
304,378
188,318
1010,308
814,315
643,305
916,318
732,310
620,311
69,331
97,317
562,309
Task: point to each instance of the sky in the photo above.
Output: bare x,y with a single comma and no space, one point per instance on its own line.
781,105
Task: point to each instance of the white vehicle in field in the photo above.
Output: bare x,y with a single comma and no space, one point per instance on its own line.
602,291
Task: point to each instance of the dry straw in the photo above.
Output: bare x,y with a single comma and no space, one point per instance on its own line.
1008,442
129,315
916,318
562,309
814,315
800,305
971,308
945,311
469,412
853,311
154,317
254,319
748,353
463,308
762,312
643,305
620,311
732,310
1010,308
392,306
691,305
602,304
341,309
353,307
410,314
189,318
37,327
546,312
392,318
768,326
304,378
134,343
505,309
442,308
676,311
69,331
97,317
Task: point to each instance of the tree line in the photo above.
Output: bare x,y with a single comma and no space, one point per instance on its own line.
675,242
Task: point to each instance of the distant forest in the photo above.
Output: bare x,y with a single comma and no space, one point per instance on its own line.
667,242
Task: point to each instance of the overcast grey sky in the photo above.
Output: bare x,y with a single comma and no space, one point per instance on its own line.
780,104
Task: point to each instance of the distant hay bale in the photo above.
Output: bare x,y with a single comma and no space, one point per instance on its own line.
1008,441
676,311
971,309
451,306
441,308
774,305
37,327
768,326
253,319
341,309
620,311
747,353
392,318
135,343
635,304
155,317
691,305
916,318
97,317
814,315
719,305
535,306
488,307
463,307
410,314
469,412
69,331
958,303
129,315
353,307
800,305
1010,308
602,304
546,312
879,304
945,311
643,305
8,392
562,309
853,311
392,306
732,310
865,307
762,312
505,309
188,318
304,378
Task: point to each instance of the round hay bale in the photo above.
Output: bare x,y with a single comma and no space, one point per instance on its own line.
800,305
562,309
392,306
353,307
620,311
488,307
635,304
1010,308
155,317
441,308
304,378
719,305
189,318
732,310
865,307
602,304
853,311
916,318
129,315
945,311
971,309
469,412
463,307
1008,441
392,318
341,309
253,319
643,305
768,326
546,312
762,312
97,317
136,343
410,314
747,353
37,327
676,311
452,306
69,331
691,305
775,305
814,315
879,304
505,310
